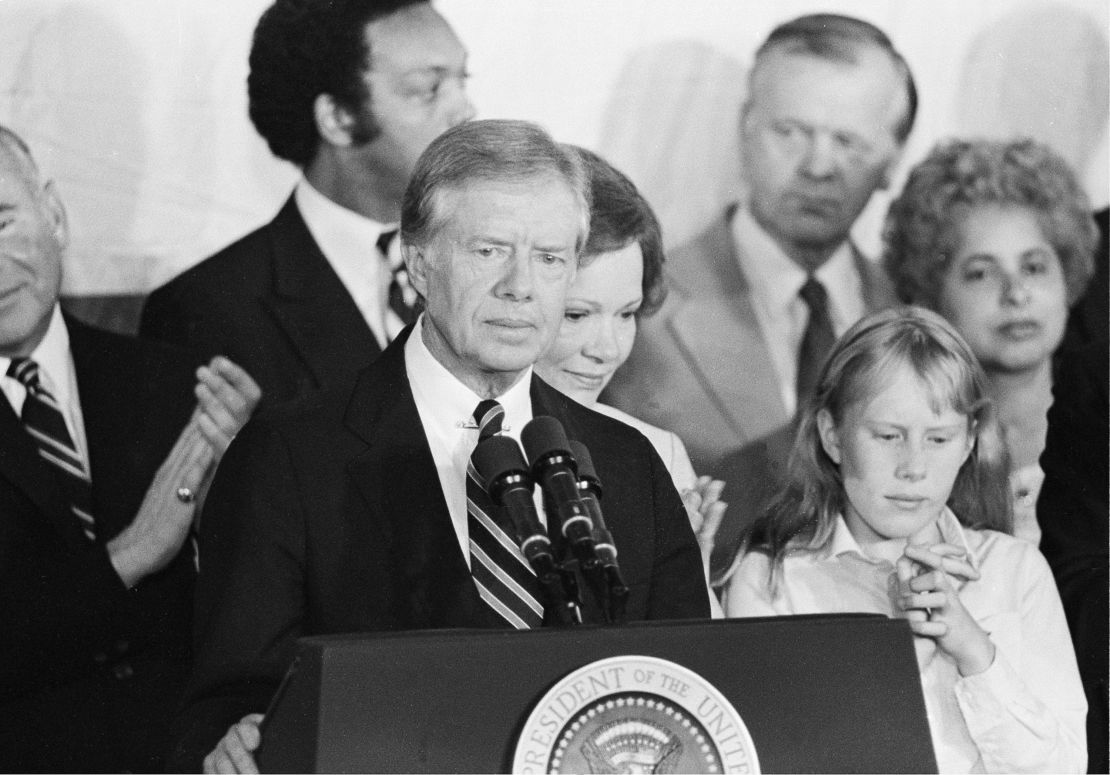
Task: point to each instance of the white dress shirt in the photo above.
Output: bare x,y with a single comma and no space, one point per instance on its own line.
446,407
349,242
775,280
57,375
1025,713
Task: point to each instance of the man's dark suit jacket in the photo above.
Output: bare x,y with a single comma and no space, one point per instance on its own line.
327,516
90,671
1072,512
271,303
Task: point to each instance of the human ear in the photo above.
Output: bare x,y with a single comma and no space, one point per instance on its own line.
969,445
416,262
56,213
830,439
333,121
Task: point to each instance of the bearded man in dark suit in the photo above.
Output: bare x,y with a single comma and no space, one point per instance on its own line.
351,92
349,512
103,453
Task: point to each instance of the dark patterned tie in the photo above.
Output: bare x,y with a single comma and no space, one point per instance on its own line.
503,577
402,298
817,341
43,419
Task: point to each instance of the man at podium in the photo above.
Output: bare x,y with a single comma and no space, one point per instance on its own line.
351,511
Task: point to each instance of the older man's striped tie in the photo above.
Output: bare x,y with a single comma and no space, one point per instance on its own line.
504,579
43,419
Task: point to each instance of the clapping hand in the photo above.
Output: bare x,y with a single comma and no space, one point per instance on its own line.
705,509
226,397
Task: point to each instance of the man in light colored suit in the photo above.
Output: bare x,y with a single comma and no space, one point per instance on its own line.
756,301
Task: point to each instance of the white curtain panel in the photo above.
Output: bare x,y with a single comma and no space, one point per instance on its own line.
137,108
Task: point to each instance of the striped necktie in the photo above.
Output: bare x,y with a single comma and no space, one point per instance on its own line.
503,577
402,297
43,419
817,341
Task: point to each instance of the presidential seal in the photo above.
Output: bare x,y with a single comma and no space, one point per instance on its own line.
634,714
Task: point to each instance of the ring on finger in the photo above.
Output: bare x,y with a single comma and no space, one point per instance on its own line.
185,495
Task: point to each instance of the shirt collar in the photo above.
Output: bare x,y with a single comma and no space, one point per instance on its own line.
343,235
450,403
776,279
951,532
53,358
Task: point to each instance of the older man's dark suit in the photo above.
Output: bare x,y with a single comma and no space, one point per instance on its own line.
328,517
90,671
272,303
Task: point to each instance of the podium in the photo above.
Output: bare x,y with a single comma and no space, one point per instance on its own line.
816,693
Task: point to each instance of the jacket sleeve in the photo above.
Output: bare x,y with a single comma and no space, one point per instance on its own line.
67,614
250,602
678,587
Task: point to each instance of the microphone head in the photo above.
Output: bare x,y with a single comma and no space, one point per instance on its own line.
586,468
544,436
498,456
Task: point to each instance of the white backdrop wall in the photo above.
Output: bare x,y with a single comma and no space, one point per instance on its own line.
137,107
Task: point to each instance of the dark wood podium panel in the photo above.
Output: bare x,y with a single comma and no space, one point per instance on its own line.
817,693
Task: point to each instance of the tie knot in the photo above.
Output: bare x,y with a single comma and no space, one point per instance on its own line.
488,414
27,372
814,295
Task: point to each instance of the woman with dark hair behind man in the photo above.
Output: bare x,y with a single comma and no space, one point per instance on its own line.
619,281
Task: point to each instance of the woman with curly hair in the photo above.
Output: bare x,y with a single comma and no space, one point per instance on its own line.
997,236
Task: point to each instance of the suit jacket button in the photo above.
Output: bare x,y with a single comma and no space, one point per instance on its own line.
123,671
122,646
100,658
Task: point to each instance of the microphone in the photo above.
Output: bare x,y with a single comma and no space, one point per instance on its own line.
590,487
548,450
501,465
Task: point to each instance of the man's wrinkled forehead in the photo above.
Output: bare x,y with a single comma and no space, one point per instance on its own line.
869,64
446,196
847,41
842,51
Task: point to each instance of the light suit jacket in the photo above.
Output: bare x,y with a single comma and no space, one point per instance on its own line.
701,368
